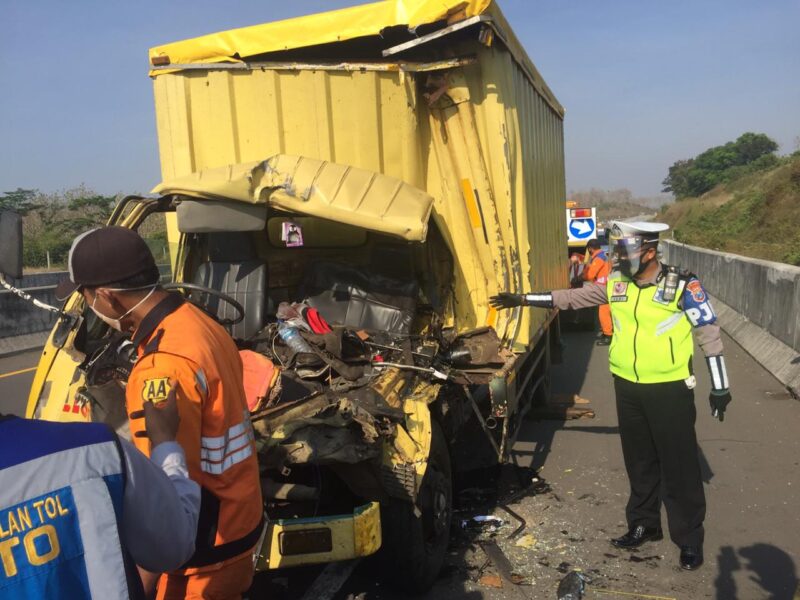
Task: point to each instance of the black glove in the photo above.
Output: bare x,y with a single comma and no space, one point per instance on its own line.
506,300
719,400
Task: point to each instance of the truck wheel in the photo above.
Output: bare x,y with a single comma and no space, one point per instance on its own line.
414,546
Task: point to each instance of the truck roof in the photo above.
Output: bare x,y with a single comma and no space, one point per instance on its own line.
393,26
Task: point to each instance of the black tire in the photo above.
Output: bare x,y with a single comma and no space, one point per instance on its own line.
414,548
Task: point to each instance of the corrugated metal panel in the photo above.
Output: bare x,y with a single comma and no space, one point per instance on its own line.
214,118
518,175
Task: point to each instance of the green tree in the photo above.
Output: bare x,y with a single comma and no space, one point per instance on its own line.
750,152
20,200
752,146
677,181
51,221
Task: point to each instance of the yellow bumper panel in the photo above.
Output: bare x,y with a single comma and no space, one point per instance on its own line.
293,542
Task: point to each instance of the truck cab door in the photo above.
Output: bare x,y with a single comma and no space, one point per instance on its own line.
60,391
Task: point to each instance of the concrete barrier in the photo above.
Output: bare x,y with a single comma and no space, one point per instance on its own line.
758,303
24,326
19,317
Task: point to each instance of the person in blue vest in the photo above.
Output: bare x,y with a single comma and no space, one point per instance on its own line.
658,311
80,509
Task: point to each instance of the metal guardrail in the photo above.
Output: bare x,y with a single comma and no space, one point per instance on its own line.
39,288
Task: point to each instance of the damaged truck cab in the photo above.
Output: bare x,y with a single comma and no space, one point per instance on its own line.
389,167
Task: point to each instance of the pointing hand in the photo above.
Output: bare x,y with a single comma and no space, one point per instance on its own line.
506,300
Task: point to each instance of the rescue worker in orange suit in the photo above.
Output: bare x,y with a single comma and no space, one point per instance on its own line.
178,344
597,272
658,312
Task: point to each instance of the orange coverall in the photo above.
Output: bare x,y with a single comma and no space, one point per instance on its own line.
597,271
177,344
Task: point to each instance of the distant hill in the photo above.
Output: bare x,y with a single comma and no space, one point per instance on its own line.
755,215
619,203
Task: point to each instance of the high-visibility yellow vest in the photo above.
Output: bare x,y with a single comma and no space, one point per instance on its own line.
652,340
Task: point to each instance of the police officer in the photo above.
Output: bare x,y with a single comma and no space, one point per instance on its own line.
80,508
655,309
177,343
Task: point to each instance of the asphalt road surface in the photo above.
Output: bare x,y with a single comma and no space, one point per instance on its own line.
16,376
751,471
752,482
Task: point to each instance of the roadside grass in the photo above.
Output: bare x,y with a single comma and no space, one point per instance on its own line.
757,215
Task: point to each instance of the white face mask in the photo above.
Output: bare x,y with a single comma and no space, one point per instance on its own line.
117,323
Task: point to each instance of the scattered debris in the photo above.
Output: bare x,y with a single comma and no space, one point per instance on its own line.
568,399
526,541
562,407
491,580
501,562
561,412
488,523
572,586
330,580
522,522
638,559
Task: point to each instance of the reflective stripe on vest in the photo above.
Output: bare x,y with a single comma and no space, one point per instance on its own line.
652,340
61,491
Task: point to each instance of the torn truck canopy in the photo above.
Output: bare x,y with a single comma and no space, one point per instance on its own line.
308,186
335,26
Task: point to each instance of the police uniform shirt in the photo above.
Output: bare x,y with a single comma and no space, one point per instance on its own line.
705,329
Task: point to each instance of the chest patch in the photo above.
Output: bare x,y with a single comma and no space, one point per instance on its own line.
659,296
155,390
619,293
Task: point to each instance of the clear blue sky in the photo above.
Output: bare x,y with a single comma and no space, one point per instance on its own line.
643,83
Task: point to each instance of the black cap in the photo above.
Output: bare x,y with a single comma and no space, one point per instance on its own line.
104,256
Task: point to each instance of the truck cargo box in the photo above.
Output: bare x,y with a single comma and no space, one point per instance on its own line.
438,94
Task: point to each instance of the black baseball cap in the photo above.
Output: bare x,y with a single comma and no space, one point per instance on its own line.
104,256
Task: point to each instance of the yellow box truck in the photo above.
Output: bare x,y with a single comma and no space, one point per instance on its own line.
390,165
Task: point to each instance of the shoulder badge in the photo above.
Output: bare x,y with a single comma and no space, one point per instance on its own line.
696,290
697,305
156,390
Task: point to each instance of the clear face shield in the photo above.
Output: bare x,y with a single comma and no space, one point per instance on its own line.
627,250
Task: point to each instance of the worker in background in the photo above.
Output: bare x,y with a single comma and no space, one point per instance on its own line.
80,508
178,344
656,309
597,271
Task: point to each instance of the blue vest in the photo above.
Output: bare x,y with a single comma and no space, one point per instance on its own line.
61,492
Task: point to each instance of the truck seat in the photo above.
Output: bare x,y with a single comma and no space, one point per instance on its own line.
361,298
234,269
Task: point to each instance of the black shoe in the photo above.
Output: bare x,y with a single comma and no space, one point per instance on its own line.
603,341
691,557
638,536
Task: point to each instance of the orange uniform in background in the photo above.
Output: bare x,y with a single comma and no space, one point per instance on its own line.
177,343
597,271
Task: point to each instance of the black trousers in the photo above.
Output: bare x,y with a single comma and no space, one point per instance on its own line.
656,425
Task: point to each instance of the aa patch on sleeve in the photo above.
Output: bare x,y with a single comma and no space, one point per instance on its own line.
156,390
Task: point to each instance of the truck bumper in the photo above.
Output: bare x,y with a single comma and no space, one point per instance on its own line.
294,542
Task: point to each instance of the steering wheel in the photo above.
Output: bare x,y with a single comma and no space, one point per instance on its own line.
193,287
